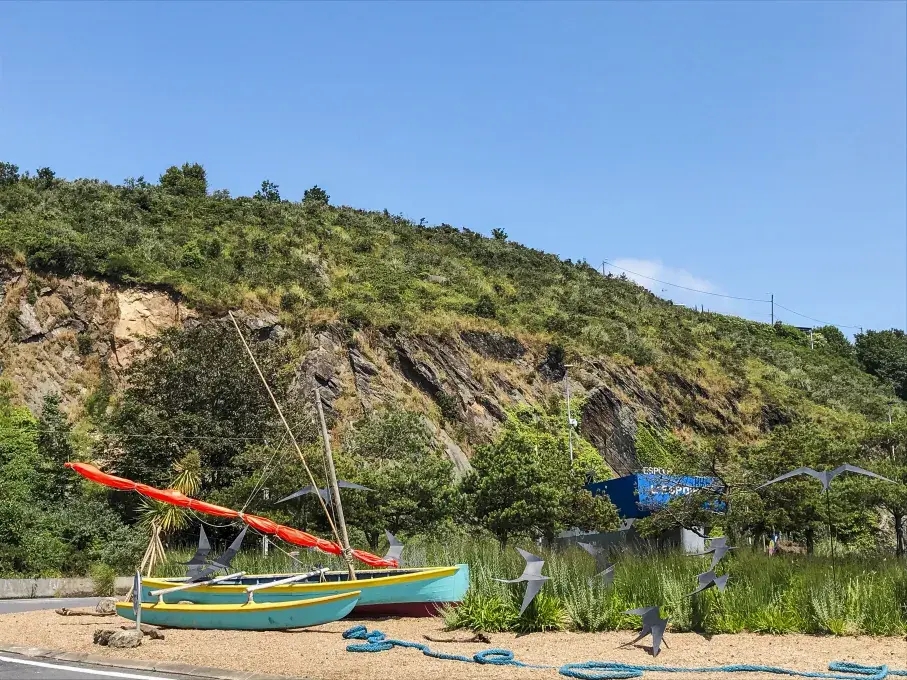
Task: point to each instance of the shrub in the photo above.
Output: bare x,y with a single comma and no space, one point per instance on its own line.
103,578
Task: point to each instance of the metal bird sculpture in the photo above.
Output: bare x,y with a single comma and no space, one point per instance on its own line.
653,624
532,575
718,548
825,476
325,493
708,580
605,570
222,561
199,560
395,547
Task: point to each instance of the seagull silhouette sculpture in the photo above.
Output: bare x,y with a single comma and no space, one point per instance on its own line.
199,560
532,575
718,548
709,580
395,547
221,562
825,476
325,493
653,624
605,569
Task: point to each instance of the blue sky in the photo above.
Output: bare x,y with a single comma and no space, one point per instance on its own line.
744,148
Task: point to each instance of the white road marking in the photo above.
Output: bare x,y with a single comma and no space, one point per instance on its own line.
74,669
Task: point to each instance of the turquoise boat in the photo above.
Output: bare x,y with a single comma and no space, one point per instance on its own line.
390,592
249,615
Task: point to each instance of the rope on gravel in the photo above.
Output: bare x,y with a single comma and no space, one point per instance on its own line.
376,641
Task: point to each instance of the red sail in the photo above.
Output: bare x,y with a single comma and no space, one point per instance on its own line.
262,524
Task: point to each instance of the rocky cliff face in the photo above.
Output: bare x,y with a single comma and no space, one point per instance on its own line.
57,334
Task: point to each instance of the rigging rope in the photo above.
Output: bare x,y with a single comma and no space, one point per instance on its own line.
376,641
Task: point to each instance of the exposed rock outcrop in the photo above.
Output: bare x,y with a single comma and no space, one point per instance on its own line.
57,334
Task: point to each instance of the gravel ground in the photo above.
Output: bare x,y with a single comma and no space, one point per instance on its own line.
320,652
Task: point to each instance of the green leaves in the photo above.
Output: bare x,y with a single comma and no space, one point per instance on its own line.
523,483
884,354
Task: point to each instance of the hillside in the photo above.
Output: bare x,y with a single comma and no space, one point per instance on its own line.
442,320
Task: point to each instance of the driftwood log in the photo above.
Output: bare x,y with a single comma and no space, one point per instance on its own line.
478,637
75,612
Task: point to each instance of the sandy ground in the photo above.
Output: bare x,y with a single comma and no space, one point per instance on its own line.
320,652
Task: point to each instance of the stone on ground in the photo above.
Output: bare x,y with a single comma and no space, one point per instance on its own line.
106,606
150,631
124,639
102,636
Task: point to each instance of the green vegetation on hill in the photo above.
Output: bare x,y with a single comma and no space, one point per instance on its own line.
737,399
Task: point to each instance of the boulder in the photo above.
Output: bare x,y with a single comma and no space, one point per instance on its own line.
106,606
102,636
124,639
150,631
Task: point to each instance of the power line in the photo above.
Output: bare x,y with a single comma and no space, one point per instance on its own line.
731,297
826,323
677,285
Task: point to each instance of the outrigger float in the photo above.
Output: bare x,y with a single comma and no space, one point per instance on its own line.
249,615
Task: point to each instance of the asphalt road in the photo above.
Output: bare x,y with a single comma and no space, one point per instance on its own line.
14,667
13,606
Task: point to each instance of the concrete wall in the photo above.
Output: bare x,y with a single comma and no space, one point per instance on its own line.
630,540
23,588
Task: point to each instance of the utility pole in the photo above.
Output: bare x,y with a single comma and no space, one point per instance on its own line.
810,338
570,421
603,268
332,479
773,308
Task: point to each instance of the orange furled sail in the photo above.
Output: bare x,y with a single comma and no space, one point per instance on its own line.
262,524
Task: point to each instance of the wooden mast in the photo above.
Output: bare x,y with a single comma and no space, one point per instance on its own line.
332,479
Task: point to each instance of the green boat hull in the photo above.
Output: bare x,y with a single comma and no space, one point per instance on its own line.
247,615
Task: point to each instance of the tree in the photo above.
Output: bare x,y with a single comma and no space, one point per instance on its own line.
523,483
55,449
884,354
499,234
9,174
46,177
195,390
834,341
315,196
392,453
268,192
190,180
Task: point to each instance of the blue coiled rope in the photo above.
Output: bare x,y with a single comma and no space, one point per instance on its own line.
376,641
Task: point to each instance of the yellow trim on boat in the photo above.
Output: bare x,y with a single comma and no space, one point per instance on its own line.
241,608
359,584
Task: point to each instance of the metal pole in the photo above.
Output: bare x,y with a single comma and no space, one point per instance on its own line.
569,414
810,338
332,479
773,308
137,599
831,533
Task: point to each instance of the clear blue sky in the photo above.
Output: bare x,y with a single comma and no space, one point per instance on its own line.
747,147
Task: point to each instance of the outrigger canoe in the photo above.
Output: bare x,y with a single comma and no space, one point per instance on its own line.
249,615
392,592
